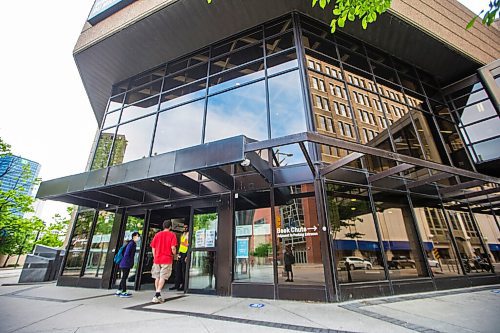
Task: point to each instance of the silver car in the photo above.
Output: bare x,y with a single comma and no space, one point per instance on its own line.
354,263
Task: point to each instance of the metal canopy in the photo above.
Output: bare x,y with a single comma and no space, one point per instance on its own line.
175,175
158,178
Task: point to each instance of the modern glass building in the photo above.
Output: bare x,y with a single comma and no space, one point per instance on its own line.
18,173
370,153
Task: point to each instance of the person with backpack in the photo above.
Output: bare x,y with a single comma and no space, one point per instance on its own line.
126,263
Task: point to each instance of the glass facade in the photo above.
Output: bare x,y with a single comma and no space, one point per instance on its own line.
348,227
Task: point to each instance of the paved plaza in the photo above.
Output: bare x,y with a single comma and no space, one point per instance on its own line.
47,308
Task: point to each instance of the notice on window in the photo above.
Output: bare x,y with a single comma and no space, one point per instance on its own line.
242,248
200,238
243,230
210,238
262,229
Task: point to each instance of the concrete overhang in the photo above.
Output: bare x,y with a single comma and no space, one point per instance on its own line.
177,27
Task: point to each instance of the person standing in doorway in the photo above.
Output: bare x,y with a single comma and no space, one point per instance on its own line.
289,259
164,246
126,264
180,267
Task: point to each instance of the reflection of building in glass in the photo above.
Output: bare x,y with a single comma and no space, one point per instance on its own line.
19,174
103,149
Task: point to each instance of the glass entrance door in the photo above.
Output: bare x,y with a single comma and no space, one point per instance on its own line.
203,258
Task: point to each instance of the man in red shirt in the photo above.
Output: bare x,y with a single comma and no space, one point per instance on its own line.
164,246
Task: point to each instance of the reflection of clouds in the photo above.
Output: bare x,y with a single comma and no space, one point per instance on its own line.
287,108
179,128
138,136
238,112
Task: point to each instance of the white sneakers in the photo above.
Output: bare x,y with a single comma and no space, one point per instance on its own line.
157,299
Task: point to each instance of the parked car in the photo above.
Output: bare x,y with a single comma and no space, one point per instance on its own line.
433,263
354,263
398,262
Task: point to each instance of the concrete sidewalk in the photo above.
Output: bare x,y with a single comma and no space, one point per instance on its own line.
47,308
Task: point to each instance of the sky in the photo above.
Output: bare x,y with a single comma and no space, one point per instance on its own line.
45,114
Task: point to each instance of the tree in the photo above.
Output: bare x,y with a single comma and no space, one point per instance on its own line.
53,234
20,235
489,16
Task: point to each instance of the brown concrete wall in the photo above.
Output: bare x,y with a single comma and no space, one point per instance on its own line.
119,20
443,19
446,20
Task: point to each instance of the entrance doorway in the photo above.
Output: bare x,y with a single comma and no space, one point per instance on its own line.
179,217
203,259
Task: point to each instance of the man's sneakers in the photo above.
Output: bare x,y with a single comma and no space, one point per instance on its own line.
125,295
157,299
118,292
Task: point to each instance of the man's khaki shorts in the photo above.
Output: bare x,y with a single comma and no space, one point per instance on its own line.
161,271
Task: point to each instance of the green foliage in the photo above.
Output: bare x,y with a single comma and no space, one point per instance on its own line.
262,250
4,147
19,235
365,10
202,221
489,15
53,235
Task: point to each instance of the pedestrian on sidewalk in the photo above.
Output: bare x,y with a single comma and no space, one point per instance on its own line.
289,259
180,266
126,264
164,246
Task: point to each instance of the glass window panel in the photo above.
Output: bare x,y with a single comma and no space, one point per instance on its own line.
406,140
236,77
119,88
384,72
348,42
142,108
103,149
299,246
133,140
468,95
115,102
311,26
99,245
202,263
439,251
454,144
240,111
487,150
279,43
237,58
354,238
201,270
429,136
474,256
183,94
354,59
399,237
238,42
78,243
148,77
179,128
253,246
410,83
404,68
282,62
111,119
276,28
318,44
188,76
378,56
286,105
476,112
142,93
177,65
426,78
483,130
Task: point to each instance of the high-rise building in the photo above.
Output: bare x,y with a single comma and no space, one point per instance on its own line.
18,173
370,153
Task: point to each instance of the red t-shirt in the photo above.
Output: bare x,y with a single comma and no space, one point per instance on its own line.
162,243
